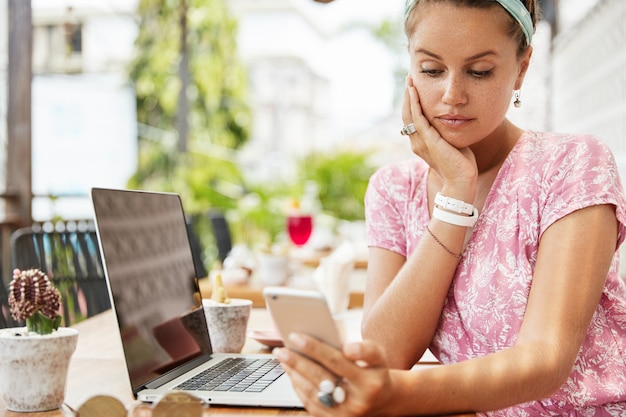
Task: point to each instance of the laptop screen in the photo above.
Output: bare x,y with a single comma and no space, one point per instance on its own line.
152,282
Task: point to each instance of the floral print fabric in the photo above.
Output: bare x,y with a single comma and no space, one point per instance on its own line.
545,177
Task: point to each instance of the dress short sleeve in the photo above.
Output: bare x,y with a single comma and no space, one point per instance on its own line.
581,172
396,207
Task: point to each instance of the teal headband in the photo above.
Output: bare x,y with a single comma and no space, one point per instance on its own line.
514,7
519,13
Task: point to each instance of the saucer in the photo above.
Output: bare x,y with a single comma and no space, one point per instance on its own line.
269,338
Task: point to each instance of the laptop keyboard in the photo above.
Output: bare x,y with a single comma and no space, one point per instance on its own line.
236,375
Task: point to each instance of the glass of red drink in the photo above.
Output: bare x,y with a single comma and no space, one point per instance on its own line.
299,227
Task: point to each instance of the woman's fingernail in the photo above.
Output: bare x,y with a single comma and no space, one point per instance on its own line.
280,354
353,350
296,339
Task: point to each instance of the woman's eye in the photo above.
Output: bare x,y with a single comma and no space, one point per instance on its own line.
480,74
431,72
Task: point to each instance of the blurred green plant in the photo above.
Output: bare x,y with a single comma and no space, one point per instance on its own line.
205,174
342,179
219,116
260,218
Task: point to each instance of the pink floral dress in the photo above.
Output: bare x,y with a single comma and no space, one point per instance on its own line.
545,177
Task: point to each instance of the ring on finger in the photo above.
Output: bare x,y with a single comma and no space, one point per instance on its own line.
330,393
408,129
326,399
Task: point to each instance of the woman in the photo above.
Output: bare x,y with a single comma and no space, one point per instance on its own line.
496,248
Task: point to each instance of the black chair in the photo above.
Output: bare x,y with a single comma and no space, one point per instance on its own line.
221,231
6,320
196,248
68,253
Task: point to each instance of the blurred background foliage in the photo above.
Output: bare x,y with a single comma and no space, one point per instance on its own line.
205,172
342,178
218,118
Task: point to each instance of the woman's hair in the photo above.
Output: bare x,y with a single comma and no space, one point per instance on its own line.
515,28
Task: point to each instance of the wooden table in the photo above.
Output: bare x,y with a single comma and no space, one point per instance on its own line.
97,367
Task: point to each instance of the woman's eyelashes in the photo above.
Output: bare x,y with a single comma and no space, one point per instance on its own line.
473,73
480,74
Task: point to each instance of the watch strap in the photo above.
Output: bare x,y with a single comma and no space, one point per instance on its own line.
456,219
452,204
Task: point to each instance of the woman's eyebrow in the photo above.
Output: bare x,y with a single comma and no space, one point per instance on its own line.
471,58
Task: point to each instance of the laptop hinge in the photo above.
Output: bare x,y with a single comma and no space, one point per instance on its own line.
174,373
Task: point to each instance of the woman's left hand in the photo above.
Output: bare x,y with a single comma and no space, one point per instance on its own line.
360,370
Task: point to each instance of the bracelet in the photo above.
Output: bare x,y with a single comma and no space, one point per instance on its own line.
456,219
452,204
456,255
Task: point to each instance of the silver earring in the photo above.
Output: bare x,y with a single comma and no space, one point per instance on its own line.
517,102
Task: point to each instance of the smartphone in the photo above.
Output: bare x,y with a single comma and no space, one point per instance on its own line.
301,311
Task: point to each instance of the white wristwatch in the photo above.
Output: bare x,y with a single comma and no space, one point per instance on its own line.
453,205
456,219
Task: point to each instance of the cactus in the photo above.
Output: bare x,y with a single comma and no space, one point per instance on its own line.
219,292
33,297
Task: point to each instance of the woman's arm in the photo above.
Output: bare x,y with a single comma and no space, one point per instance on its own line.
574,258
402,310
404,299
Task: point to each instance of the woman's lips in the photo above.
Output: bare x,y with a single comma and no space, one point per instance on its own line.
453,121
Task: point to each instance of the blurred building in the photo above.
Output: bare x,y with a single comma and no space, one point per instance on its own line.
277,43
318,79
589,77
84,130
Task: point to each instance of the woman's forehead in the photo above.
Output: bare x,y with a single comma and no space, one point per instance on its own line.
453,28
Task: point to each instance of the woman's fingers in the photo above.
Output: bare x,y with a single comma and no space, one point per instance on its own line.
360,369
454,166
406,105
310,380
365,354
306,388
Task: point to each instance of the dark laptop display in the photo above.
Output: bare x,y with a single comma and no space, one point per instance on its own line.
147,255
149,267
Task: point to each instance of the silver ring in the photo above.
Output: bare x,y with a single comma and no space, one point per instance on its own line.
339,395
326,399
330,394
408,129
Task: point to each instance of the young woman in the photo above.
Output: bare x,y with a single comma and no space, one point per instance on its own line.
497,248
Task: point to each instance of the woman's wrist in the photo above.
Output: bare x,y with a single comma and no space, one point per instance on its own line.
465,193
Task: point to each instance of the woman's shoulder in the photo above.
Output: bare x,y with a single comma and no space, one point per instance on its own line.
554,149
400,178
553,141
403,169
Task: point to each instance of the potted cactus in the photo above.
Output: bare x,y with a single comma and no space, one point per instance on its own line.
34,359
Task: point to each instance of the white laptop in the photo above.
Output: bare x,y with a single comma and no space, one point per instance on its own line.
154,292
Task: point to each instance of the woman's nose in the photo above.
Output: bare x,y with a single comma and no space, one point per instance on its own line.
454,91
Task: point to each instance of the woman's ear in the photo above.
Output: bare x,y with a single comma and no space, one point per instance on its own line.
523,65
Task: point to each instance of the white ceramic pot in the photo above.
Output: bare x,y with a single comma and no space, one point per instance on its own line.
273,269
227,323
33,368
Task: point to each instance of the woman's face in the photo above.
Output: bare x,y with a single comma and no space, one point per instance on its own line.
464,67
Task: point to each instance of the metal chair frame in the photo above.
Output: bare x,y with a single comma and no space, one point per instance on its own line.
68,253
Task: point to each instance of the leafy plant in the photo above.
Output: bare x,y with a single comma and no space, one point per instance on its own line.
259,219
342,179
204,171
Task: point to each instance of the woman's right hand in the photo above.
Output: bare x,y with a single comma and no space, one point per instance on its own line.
361,370
456,167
